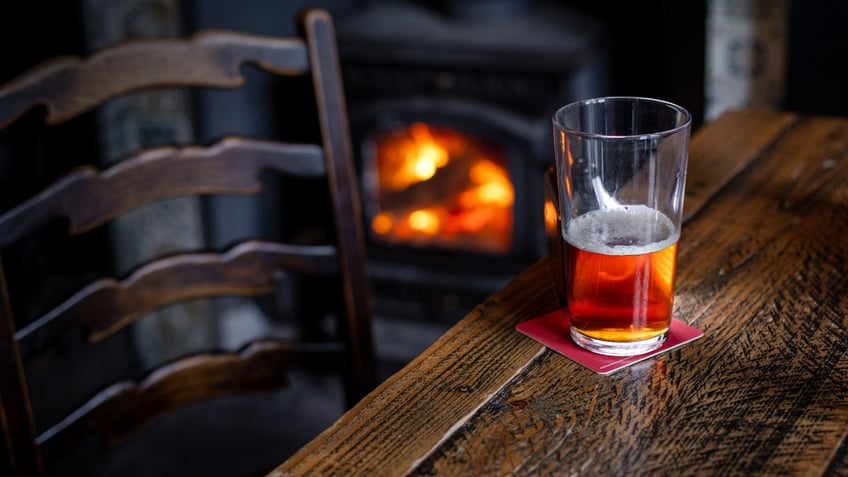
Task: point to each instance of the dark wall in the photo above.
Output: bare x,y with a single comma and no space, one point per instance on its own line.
657,49
817,81
33,155
29,35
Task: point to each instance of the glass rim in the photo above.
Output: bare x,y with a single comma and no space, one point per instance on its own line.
687,117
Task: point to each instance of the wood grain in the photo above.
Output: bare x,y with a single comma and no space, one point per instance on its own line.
68,86
718,152
155,174
762,270
123,408
766,391
108,305
416,408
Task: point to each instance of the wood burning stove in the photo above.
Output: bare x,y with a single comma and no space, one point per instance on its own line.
450,112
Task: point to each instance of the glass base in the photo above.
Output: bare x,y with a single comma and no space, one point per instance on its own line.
618,348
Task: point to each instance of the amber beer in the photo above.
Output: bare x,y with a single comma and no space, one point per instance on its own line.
620,277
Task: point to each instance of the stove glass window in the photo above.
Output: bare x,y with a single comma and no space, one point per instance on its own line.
434,186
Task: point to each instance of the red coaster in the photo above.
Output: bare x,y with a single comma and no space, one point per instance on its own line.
552,330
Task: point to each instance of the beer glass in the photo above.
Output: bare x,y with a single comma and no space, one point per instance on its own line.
621,172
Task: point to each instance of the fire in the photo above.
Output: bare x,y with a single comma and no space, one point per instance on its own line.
440,187
425,221
425,155
413,158
383,223
493,185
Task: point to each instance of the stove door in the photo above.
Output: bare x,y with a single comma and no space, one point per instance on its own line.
447,175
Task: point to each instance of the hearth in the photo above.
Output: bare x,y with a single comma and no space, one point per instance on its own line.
450,110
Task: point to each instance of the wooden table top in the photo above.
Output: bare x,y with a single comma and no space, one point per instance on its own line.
762,271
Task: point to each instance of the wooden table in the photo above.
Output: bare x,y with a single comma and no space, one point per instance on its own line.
762,271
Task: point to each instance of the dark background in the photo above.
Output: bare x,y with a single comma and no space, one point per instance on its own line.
818,43
34,30
815,77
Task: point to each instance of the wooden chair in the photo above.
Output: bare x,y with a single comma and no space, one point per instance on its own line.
90,197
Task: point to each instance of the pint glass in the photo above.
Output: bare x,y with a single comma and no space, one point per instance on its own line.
621,172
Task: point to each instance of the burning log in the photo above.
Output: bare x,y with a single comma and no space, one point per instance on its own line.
443,188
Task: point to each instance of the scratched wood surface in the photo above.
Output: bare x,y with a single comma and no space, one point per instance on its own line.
762,270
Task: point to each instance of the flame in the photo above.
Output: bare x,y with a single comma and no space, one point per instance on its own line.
411,158
425,155
425,221
493,186
471,205
383,223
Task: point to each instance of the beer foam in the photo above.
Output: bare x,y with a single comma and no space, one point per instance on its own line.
625,230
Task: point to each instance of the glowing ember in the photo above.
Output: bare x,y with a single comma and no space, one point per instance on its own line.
424,221
443,188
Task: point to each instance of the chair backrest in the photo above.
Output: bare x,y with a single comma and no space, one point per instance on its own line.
89,197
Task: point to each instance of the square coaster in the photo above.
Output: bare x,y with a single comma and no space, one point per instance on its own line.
553,331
